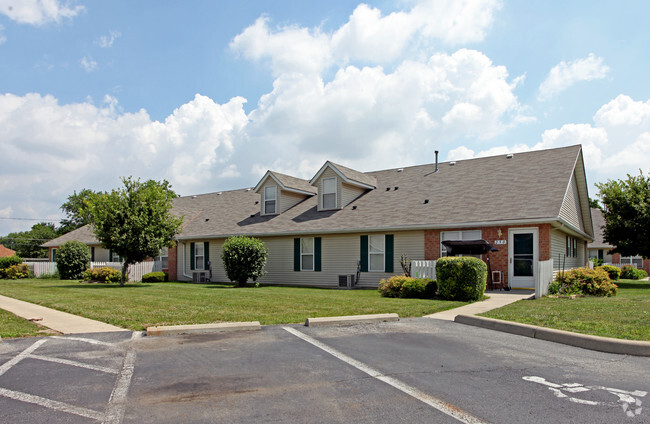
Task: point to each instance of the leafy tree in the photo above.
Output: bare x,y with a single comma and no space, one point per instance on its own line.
27,244
134,221
72,260
243,258
593,203
626,208
74,210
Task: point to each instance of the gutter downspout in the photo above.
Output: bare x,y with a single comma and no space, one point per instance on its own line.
184,274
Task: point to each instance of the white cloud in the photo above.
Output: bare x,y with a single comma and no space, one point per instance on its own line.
564,75
617,143
367,36
106,41
88,64
39,12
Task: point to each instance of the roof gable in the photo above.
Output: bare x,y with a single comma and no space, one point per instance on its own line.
348,175
287,183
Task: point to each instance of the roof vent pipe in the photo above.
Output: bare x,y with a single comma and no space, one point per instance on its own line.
436,162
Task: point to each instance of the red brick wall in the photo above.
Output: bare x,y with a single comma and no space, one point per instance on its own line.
646,265
172,263
498,260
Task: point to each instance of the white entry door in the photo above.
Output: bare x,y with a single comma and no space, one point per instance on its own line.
522,257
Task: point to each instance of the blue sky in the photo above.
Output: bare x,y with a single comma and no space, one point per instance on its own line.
209,95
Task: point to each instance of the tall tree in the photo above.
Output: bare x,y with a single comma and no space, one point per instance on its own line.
74,211
626,208
134,221
27,244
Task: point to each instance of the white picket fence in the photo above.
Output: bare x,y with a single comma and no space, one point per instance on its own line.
544,277
423,269
135,271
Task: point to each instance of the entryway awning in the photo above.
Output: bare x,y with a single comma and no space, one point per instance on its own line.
468,247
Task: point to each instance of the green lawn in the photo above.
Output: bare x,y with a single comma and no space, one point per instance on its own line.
624,316
14,326
137,306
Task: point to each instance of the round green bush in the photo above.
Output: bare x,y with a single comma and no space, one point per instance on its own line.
72,259
393,286
243,258
8,261
630,272
103,275
613,271
461,278
593,282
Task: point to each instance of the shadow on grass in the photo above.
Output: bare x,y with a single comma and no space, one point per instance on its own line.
641,285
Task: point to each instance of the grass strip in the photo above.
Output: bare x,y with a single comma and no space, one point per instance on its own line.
15,326
624,316
137,306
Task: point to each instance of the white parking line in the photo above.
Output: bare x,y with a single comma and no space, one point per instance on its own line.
83,339
75,364
22,355
436,403
51,404
117,402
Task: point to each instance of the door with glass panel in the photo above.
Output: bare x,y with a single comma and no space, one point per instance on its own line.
522,257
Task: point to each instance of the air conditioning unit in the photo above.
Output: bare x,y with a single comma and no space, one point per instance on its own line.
200,277
347,281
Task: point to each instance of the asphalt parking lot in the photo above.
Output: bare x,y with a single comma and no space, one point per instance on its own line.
415,370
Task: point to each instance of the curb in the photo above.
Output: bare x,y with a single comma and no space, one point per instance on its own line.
585,341
174,330
351,319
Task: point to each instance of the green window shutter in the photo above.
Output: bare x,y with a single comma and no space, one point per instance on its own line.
296,254
206,252
110,256
364,253
92,254
317,253
192,255
388,254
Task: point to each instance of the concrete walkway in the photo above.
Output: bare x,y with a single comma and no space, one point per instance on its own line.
497,299
62,322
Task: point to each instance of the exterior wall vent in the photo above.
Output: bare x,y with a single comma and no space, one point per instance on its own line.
426,201
400,169
509,156
452,163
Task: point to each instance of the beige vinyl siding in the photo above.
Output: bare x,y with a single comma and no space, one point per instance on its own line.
289,200
571,211
558,252
339,255
349,193
101,254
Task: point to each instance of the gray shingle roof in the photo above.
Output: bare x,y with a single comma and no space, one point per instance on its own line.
599,225
294,183
83,234
357,176
528,186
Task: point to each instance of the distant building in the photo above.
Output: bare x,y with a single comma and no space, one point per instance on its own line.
5,251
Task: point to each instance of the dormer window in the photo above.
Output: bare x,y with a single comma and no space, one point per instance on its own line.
329,193
270,200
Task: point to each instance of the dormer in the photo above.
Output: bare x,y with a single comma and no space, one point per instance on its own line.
338,186
280,192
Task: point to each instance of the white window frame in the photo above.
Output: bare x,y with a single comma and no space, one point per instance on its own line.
381,253
312,253
54,254
116,257
335,193
198,246
460,236
164,258
267,199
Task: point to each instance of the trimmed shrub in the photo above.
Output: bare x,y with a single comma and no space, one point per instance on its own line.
154,277
413,289
613,271
461,278
243,258
8,261
72,259
103,275
408,287
15,271
630,272
393,286
594,282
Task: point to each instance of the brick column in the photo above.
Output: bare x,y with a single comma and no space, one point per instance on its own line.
172,263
